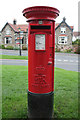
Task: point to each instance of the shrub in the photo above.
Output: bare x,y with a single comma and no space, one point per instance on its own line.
16,48
9,48
2,47
77,50
24,47
77,42
57,49
68,50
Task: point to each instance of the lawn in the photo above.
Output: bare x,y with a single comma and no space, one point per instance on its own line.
14,92
13,57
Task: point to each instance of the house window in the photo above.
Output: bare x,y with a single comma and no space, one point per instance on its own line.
63,30
8,32
8,40
62,40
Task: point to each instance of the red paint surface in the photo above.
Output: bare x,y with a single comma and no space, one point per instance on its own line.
40,12
41,62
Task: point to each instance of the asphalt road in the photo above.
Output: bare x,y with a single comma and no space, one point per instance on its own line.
65,64
62,60
68,61
13,52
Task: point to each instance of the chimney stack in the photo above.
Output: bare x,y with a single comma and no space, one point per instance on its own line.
14,22
64,19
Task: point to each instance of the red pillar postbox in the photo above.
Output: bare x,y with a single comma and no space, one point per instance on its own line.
41,45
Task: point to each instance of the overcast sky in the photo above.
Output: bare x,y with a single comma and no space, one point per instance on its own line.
12,9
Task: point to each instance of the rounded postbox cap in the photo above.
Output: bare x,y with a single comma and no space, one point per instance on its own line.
40,13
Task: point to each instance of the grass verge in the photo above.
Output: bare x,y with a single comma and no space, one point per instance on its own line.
13,57
14,92
66,93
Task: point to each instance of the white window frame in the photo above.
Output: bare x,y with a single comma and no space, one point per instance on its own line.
63,30
60,39
9,40
5,40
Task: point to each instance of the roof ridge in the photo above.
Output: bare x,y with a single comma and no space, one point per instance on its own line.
15,27
66,25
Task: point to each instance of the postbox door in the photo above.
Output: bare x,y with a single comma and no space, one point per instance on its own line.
41,63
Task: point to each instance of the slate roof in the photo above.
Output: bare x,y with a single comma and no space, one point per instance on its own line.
23,27
57,25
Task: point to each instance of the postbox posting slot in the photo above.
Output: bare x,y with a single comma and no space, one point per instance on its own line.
48,27
38,28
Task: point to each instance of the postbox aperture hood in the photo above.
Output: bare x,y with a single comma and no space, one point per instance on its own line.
40,12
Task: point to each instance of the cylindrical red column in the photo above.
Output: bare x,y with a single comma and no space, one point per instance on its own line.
41,46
